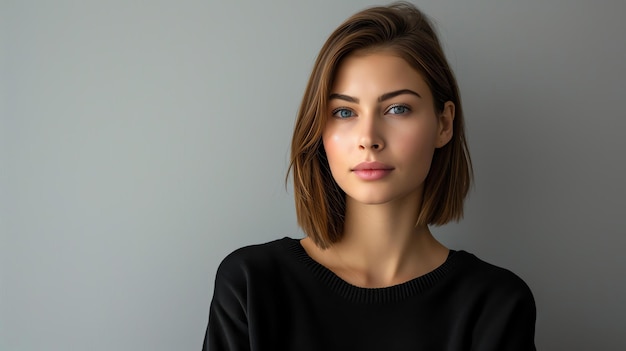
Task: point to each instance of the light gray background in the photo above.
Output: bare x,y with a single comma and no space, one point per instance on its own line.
143,141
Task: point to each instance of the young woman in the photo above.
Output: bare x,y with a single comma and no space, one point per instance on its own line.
378,155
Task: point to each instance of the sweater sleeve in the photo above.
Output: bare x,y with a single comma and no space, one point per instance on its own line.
507,319
228,323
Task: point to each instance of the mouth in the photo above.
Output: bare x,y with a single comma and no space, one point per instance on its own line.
372,166
372,170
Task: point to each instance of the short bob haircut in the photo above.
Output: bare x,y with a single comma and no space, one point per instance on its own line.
402,30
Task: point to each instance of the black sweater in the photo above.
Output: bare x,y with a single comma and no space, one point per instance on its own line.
274,297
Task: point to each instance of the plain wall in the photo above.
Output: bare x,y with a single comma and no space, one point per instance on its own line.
143,141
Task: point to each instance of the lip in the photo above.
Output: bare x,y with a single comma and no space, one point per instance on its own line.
372,170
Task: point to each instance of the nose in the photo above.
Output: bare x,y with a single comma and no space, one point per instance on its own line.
370,133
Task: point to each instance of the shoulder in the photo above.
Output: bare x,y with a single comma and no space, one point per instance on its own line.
485,278
255,268
253,258
500,305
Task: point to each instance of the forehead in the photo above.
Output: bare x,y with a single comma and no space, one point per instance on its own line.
375,73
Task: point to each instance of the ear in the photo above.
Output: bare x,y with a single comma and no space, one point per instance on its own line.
445,129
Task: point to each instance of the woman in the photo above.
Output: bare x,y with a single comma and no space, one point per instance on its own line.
378,155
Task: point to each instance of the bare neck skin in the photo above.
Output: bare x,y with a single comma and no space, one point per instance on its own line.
381,246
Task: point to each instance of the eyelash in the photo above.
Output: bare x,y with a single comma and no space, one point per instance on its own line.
405,107
337,110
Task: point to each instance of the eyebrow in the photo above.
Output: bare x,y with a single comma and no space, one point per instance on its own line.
381,98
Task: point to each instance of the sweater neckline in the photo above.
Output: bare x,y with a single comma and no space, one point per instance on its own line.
358,294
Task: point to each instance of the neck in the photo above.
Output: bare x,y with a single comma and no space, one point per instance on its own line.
381,246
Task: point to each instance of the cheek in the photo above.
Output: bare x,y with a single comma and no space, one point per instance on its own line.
415,153
333,144
416,144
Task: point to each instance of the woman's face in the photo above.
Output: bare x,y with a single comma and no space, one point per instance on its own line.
382,129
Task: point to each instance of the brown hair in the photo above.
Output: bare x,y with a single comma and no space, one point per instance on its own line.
404,30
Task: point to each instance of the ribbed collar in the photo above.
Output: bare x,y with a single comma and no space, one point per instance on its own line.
373,295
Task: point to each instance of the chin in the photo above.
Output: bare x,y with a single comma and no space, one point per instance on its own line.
382,197
371,200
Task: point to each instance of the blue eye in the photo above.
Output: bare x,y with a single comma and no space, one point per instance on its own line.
398,110
343,113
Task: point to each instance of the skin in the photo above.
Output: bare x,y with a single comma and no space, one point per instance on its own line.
382,110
